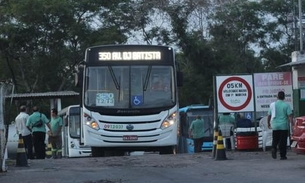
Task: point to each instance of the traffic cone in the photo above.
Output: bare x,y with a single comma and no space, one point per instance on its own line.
220,150
215,142
49,151
21,159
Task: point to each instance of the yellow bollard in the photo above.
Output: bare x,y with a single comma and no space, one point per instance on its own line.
21,159
220,149
49,151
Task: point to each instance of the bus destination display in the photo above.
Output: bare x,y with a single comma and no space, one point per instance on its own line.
129,55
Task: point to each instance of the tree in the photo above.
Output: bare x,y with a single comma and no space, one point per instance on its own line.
211,38
43,41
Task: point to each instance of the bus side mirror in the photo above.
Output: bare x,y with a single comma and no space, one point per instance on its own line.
179,79
66,121
79,77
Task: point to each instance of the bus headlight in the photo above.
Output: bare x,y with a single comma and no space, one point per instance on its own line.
169,121
89,121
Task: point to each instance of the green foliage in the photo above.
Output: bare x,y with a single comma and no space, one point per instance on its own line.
45,40
42,42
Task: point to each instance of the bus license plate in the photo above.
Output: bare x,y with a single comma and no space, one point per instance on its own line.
130,137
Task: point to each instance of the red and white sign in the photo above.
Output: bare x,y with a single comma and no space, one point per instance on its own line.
234,93
267,86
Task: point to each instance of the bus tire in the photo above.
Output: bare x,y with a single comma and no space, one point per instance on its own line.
168,150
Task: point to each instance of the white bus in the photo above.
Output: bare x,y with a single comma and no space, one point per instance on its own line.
71,146
129,99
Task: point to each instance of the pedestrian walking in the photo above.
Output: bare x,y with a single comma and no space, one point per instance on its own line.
279,118
24,132
36,123
196,132
55,134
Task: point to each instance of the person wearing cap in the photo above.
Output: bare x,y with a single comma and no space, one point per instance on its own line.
279,116
24,132
196,132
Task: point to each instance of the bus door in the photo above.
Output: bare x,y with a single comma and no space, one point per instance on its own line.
71,134
74,134
183,133
79,80
65,134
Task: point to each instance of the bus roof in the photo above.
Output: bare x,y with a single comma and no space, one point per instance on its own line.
128,45
194,107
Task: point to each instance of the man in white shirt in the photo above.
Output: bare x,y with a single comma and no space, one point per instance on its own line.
24,132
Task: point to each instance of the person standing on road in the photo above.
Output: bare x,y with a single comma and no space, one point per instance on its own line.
196,132
224,120
24,132
39,131
55,134
279,116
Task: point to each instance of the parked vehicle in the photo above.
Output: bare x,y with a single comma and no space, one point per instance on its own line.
298,135
129,99
71,133
187,115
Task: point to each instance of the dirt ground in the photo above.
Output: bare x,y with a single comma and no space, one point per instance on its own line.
251,167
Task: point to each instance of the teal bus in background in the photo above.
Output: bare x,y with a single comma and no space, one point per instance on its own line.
187,115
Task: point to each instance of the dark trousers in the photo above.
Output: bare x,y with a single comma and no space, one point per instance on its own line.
39,145
279,138
56,143
198,144
28,145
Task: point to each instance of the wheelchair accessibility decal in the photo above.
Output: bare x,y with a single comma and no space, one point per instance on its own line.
137,100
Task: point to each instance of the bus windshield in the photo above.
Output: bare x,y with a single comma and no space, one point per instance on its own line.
124,87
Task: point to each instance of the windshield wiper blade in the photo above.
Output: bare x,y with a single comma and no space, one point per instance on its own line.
147,78
116,83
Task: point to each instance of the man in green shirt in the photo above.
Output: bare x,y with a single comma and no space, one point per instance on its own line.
196,132
55,134
38,131
226,118
226,121
279,117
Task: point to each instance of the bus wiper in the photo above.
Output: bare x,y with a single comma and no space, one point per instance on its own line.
116,83
147,78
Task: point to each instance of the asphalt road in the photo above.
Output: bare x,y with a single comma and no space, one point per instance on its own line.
240,167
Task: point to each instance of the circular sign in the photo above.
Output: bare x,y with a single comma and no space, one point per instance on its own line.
242,105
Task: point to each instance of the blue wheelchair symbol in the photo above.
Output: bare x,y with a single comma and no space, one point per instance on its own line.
137,100
248,116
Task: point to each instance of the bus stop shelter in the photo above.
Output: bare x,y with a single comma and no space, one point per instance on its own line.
54,97
55,102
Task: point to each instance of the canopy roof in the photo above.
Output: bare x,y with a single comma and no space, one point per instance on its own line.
44,95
